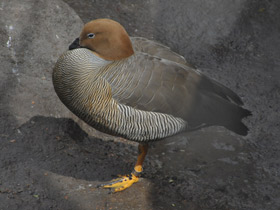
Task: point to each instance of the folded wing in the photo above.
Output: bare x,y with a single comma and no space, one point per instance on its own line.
150,83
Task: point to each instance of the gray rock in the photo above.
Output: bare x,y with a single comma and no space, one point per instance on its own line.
33,35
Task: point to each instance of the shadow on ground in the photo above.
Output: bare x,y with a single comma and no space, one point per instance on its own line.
52,163
56,159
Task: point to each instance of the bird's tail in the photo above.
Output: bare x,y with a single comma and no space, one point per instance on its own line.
218,105
234,112
235,124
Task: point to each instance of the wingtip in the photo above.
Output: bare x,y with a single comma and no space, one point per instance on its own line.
246,113
239,129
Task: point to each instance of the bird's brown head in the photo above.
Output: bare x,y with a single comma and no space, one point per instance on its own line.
107,38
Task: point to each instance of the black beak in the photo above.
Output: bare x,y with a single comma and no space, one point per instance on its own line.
75,44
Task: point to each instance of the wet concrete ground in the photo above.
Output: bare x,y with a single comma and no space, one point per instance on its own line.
49,159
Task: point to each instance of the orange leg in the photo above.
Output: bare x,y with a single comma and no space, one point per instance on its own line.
142,151
126,181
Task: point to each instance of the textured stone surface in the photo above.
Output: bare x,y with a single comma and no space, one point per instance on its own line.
48,161
32,38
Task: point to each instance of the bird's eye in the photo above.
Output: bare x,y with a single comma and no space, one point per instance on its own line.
91,35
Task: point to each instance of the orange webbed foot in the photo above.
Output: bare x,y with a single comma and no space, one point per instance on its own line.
122,183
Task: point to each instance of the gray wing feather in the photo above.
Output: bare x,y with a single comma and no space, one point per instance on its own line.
155,84
156,49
